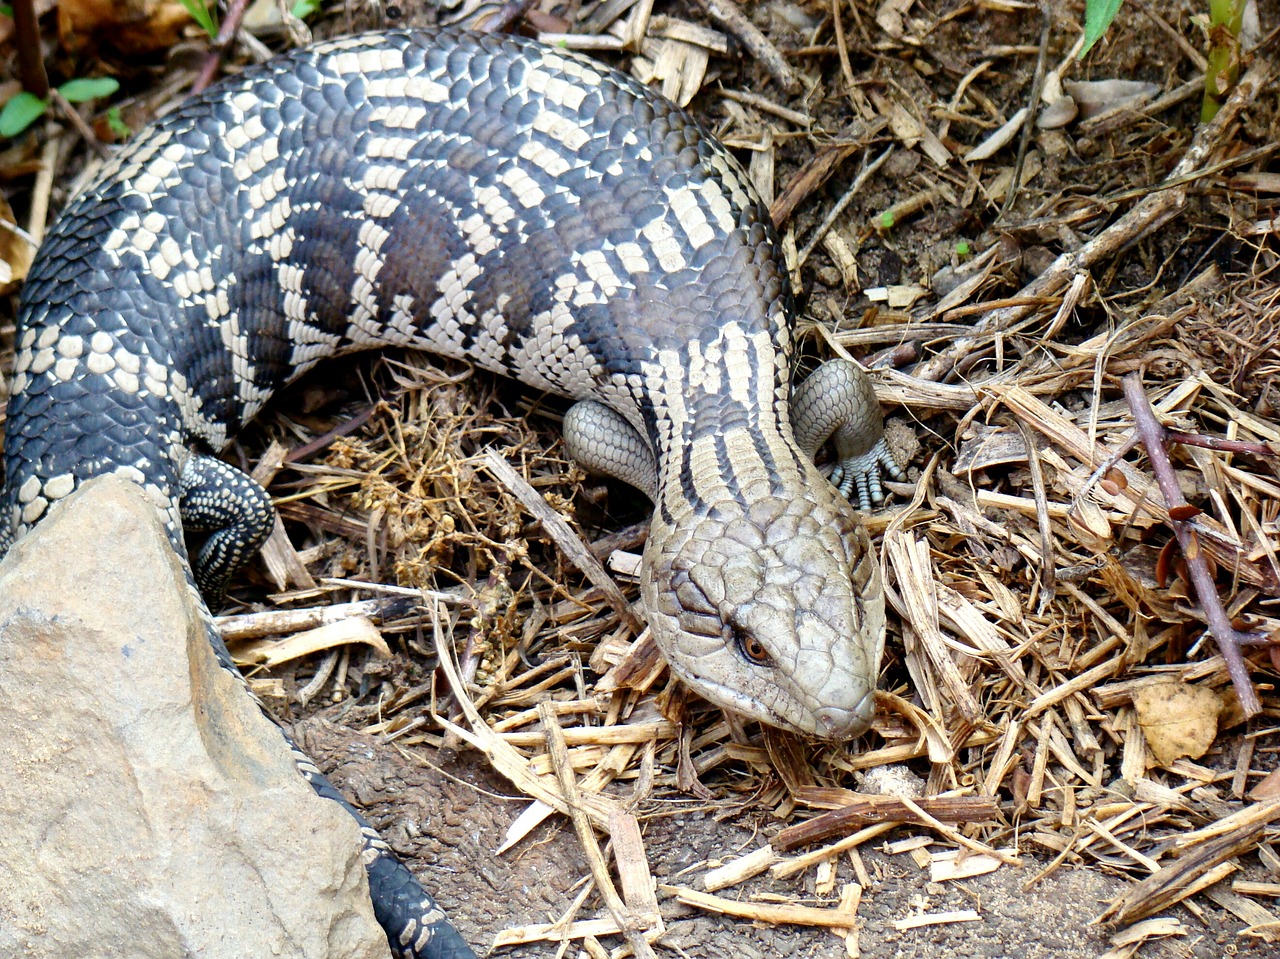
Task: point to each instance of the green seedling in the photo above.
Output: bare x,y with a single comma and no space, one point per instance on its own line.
26,108
202,15
121,129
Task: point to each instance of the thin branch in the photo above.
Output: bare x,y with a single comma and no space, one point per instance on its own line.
1033,110
1220,444
26,41
72,115
1154,437
226,34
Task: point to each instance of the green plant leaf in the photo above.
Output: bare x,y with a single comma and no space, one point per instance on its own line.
304,8
88,88
20,112
6,10
121,129
201,14
1098,15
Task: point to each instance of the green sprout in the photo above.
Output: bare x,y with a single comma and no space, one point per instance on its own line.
26,108
202,15
1226,17
963,248
304,8
885,221
117,125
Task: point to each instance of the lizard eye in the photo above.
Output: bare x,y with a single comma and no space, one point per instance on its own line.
751,648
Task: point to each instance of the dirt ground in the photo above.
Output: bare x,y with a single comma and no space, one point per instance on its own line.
447,820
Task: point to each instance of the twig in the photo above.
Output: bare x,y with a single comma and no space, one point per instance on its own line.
276,622
564,537
858,182
632,925
1146,216
1047,580
1220,444
1033,110
226,34
507,17
26,42
862,810
76,120
1174,881
727,14
38,217
1229,639
300,453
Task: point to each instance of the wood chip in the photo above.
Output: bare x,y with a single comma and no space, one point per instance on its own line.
761,912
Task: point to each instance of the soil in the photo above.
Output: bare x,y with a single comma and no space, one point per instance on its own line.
446,815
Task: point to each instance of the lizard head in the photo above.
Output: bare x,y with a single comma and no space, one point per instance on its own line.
772,609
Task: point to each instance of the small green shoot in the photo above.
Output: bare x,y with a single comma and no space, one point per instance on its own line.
6,10
963,249
1226,18
885,221
26,108
304,8
202,15
121,129
83,89
1098,15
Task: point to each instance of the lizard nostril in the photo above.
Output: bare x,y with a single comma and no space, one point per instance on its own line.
840,724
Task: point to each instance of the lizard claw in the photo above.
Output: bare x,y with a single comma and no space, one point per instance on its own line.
864,472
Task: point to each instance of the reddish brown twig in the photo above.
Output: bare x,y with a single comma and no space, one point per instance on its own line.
1218,443
507,17
26,30
1154,436
226,33
320,442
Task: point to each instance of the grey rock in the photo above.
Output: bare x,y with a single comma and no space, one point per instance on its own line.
147,808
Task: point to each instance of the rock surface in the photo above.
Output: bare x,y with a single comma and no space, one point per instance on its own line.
148,809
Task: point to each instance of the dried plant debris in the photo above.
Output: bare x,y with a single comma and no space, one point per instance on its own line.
1052,692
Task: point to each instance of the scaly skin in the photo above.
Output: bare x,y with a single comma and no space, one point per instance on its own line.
488,199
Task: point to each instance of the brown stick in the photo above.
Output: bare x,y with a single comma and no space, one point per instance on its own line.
878,809
1229,639
727,15
26,37
226,34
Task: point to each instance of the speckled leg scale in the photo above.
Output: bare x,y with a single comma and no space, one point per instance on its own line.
489,199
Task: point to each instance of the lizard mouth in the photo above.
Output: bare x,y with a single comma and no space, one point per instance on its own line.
843,724
833,723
